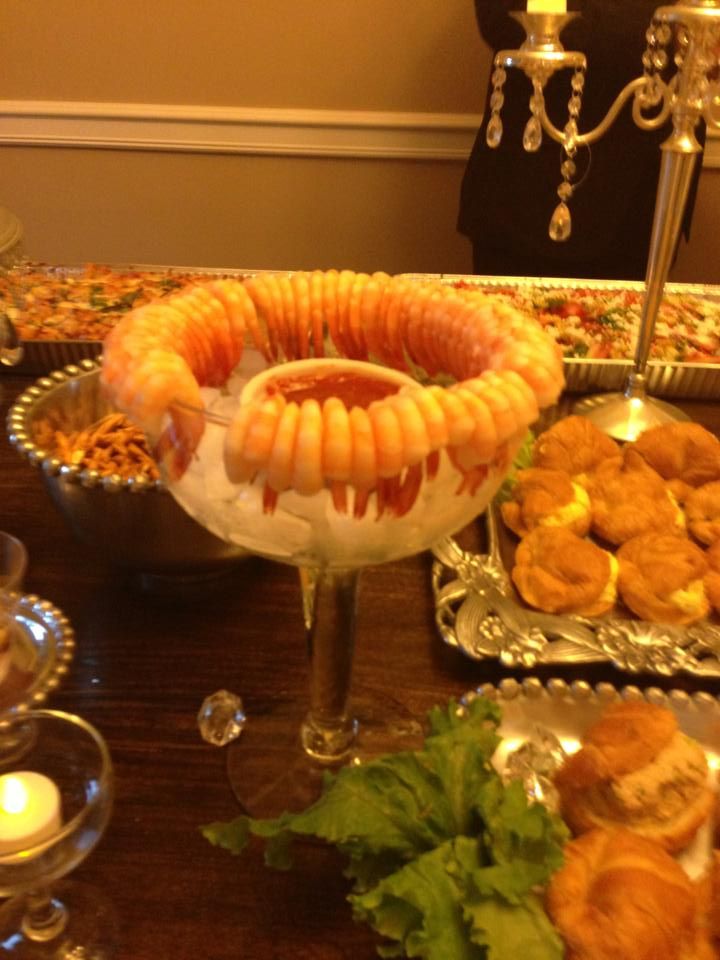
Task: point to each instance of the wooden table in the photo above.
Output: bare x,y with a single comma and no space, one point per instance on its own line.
144,663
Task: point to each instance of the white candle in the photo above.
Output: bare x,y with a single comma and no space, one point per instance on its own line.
547,6
29,810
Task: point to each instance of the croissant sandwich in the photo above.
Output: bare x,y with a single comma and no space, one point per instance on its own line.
619,896
636,769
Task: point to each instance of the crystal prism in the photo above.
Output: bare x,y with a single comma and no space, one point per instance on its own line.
494,132
497,99
532,137
535,763
221,718
560,223
663,33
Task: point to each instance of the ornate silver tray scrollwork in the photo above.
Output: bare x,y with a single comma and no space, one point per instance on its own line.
478,611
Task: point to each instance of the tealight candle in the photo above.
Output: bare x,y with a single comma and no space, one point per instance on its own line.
29,810
547,6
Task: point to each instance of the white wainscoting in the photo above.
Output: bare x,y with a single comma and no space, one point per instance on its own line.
258,131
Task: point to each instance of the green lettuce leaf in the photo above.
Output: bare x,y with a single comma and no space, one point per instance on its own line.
389,810
521,930
420,907
523,460
446,905
445,858
517,831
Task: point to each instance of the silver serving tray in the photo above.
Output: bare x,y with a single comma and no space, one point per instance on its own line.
566,710
478,611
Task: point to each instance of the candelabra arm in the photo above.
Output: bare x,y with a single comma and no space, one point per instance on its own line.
666,94
584,139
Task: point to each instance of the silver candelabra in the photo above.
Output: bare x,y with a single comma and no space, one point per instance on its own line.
689,33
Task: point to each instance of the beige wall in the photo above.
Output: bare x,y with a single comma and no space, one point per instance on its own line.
404,56
234,211
331,54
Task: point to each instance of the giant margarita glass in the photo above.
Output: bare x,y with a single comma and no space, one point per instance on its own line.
330,421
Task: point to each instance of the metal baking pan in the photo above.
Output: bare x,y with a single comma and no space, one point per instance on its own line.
689,381
672,380
39,357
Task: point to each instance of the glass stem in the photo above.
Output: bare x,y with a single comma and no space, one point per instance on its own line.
45,917
329,607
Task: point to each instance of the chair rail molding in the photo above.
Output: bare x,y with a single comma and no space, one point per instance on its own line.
263,131
251,130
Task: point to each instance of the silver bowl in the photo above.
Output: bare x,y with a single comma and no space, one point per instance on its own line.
134,524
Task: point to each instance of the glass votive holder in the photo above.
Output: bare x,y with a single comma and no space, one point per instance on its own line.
13,562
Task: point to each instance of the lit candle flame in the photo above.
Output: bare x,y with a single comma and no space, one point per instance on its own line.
13,795
546,6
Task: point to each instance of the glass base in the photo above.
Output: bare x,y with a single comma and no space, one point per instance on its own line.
625,417
269,772
91,930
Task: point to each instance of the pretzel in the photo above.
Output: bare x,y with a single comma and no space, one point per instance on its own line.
112,446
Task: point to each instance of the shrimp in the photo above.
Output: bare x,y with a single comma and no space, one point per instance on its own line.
370,308
390,344
235,467
263,292
330,302
288,313
419,340
459,423
163,386
385,441
415,438
212,362
301,294
241,313
250,437
278,475
484,439
281,459
340,336
307,476
317,325
539,367
387,433
363,459
159,355
517,390
354,334
496,401
336,449
432,414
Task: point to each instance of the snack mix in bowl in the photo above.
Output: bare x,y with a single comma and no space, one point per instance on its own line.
98,471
